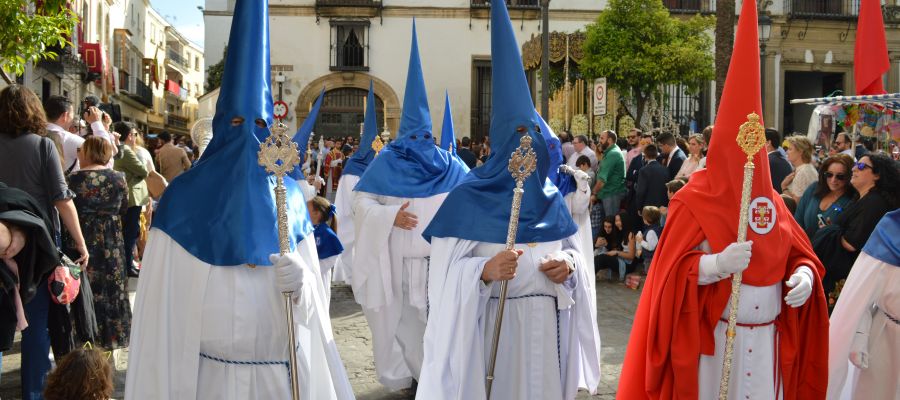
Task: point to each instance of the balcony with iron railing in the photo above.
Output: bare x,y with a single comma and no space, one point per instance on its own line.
512,4
822,9
135,89
348,3
690,6
175,57
177,121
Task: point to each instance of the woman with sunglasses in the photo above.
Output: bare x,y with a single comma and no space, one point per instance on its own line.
876,177
822,202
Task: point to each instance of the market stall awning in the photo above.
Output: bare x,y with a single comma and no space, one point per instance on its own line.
890,100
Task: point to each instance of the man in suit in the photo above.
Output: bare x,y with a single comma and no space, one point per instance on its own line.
672,156
634,167
779,167
651,183
465,152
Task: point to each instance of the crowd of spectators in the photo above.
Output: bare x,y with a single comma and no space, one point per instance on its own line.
85,178
835,198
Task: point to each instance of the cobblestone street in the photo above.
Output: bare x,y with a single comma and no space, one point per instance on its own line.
616,309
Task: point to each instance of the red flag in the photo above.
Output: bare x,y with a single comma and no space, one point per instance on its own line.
870,55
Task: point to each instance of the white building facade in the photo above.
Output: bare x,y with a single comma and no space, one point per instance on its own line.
340,45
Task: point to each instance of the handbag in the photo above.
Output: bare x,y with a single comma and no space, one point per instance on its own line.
65,281
156,184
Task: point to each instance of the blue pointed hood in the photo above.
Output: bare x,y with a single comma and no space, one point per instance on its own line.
360,160
882,244
222,210
412,166
448,136
303,133
479,208
565,183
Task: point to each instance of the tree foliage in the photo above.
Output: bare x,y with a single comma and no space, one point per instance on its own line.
725,20
215,72
30,30
639,47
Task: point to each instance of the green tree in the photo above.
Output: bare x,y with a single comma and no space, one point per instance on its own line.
29,32
639,47
725,20
215,72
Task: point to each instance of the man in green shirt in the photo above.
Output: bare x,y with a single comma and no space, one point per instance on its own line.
610,186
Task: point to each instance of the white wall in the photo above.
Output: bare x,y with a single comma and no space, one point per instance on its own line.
447,47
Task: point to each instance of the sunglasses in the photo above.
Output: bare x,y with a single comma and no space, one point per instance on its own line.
861,166
840,177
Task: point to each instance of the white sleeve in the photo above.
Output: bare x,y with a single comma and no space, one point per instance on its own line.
100,130
649,243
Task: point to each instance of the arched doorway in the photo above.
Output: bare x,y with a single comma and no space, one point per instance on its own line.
343,112
388,104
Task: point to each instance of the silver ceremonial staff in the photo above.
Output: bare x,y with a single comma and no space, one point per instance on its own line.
279,155
521,164
751,138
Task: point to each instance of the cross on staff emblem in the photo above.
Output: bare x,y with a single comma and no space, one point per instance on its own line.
278,154
761,216
522,163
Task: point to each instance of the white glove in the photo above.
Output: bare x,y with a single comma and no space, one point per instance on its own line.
735,258
859,350
581,175
288,272
565,169
801,282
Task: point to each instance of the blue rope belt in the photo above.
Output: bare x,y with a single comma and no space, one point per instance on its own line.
889,316
286,364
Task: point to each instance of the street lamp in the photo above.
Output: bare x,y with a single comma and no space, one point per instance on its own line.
765,31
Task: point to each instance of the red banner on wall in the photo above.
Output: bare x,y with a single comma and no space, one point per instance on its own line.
92,54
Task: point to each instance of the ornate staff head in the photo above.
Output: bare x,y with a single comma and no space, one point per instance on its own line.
751,136
523,161
278,153
377,144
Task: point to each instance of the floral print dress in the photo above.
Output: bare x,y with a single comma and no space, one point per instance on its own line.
101,200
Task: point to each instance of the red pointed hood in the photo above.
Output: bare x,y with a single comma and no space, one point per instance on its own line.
870,56
714,194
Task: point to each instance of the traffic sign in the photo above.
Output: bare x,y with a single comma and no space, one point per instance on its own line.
600,96
280,109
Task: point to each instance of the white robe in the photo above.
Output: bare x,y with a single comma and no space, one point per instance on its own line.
346,232
871,282
579,204
752,371
389,282
327,267
544,325
230,315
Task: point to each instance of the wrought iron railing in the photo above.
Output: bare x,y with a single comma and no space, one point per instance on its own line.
513,4
142,93
176,57
177,121
690,6
348,3
823,9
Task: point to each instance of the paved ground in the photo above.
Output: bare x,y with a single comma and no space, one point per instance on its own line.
616,309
